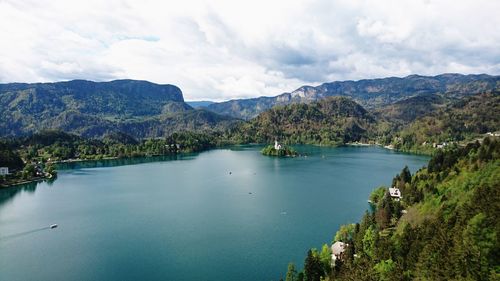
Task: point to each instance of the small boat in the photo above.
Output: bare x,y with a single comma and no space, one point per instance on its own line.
52,226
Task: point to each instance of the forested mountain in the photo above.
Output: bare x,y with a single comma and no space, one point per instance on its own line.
58,145
331,121
407,110
370,93
404,112
445,227
417,124
93,109
461,120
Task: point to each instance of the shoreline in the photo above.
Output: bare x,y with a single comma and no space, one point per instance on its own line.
75,160
21,182
79,160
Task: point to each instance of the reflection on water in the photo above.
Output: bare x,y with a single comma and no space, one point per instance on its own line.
122,161
7,194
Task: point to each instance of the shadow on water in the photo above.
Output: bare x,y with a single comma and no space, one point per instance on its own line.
122,161
24,233
6,194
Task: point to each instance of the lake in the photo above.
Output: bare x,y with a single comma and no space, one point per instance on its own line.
226,214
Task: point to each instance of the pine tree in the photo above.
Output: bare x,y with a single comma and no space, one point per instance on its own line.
313,270
291,274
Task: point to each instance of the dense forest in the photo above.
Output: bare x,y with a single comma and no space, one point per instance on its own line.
32,157
58,145
445,227
95,109
332,121
459,121
419,124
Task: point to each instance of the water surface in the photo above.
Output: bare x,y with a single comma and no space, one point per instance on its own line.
229,214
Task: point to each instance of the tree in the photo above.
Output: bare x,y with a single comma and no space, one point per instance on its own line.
378,194
345,233
28,171
9,158
384,269
50,169
369,241
406,175
384,211
313,271
291,274
326,257
479,240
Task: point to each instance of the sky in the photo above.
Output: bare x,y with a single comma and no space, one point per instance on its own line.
225,49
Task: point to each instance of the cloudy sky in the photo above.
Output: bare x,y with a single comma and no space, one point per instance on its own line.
219,50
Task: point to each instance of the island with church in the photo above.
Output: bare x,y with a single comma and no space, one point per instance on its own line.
278,150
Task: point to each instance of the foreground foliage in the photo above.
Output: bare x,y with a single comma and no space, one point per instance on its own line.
446,226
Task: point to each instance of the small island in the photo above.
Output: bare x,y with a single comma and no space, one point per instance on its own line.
278,150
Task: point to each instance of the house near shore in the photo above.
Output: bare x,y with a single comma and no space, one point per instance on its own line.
39,170
395,193
4,171
338,248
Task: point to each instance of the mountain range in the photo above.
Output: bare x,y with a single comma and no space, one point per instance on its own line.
93,109
146,110
370,93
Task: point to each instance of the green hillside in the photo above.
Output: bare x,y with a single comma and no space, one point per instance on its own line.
458,122
94,109
330,121
444,228
407,110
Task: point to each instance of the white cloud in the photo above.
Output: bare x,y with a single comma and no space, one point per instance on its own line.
229,49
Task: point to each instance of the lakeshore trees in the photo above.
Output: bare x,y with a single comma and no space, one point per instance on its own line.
449,230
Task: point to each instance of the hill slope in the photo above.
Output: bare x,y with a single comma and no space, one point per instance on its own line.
461,120
93,109
334,120
445,227
370,93
410,109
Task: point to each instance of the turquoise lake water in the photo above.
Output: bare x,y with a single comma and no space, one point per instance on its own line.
228,214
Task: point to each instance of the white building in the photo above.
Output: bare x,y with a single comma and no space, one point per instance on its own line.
395,193
277,146
4,171
338,248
